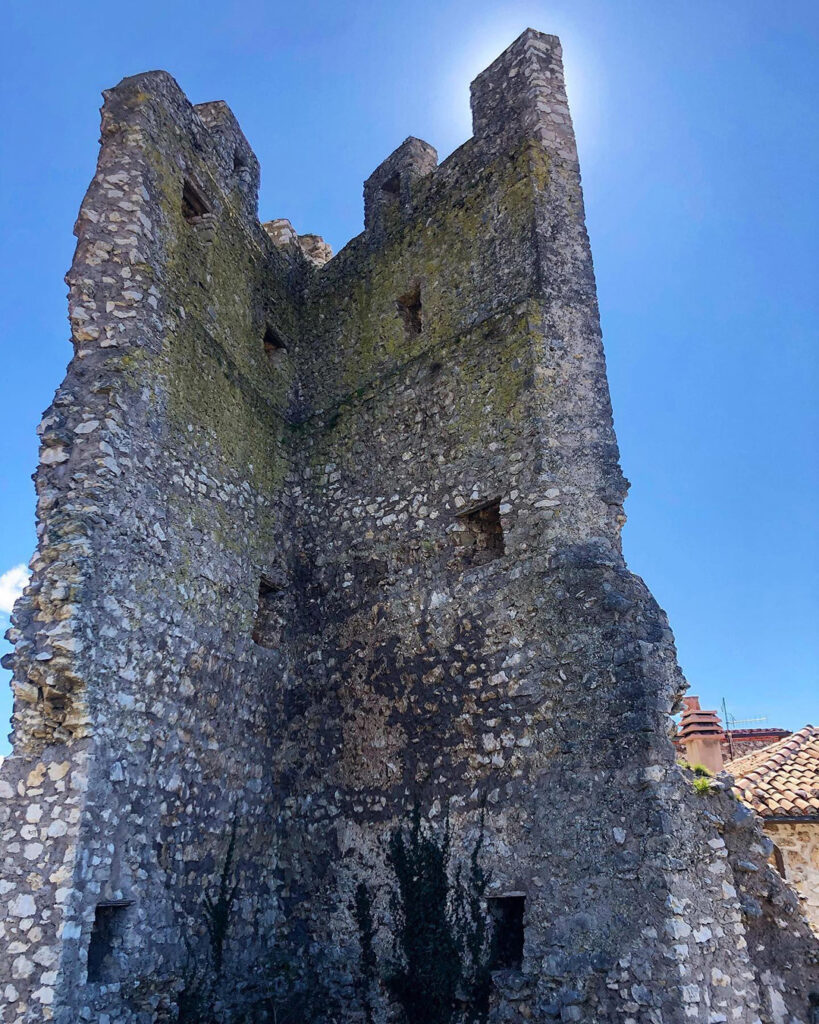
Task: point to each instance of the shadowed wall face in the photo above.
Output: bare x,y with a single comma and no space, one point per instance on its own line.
321,539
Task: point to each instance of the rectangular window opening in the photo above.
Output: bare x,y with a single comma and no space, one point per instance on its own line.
409,309
482,540
506,917
193,203
274,347
392,186
107,934
270,618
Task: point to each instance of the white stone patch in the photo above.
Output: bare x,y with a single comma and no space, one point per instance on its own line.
53,456
23,905
87,427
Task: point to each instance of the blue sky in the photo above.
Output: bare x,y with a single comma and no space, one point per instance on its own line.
699,146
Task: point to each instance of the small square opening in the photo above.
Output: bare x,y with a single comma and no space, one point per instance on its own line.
270,618
392,186
506,917
107,934
274,346
193,203
409,309
482,539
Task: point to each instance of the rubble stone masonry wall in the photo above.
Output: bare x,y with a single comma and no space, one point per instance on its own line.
798,843
321,540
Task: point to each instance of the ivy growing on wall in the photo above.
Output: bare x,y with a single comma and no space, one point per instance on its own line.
438,970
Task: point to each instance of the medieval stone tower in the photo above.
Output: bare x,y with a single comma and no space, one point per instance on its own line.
321,538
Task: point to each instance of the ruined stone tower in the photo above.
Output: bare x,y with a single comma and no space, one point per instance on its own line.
319,539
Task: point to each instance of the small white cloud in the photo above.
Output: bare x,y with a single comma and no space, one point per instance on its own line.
11,587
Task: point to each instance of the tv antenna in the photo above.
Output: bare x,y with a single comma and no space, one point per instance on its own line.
731,723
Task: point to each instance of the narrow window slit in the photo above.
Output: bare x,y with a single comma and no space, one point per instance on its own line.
481,539
409,309
779,860
270,618
107,933
506,916
193,203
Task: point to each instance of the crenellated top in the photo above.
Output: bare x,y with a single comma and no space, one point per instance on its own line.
232,151
388,190
284,236
522,94
212,153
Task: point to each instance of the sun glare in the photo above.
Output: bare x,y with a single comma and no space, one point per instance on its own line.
489,40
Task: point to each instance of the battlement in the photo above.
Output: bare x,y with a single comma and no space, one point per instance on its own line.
204,142
388,190
522,94
284,236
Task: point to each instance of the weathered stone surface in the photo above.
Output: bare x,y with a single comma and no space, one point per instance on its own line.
397,471
798,843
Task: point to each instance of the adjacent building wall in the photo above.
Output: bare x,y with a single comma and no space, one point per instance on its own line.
798,843
739,742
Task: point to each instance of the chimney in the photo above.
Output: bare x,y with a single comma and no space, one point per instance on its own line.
701,734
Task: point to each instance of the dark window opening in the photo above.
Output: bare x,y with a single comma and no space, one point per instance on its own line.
409,309
779,860
239,160
270,616
506,915
392,186
482,538
193,204
107,933
274,347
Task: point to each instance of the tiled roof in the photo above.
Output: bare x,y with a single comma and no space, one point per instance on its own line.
756,734
782,780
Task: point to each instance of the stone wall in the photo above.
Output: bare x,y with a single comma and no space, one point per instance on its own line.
745,741
142,715
798,844
320,540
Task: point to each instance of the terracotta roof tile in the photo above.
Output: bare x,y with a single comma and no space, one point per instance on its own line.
781,780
